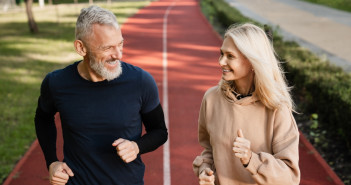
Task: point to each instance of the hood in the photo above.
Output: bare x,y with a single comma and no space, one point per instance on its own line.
243,101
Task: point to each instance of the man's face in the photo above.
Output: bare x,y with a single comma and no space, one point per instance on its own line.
105,48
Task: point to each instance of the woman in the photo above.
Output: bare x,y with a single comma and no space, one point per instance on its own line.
246,125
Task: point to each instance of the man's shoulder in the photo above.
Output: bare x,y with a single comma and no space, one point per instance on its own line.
130,67
59,73
59,76
135,71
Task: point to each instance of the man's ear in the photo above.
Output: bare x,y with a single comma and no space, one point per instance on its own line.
80,48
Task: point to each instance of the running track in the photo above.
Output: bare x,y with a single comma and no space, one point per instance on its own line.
173,41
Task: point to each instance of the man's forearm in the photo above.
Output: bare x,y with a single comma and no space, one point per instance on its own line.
156,131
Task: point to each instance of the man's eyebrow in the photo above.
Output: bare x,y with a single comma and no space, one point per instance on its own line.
103,46
106,46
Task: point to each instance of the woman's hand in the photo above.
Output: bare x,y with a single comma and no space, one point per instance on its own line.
241,148
206,177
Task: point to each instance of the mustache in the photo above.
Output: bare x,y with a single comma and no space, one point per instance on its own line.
111,60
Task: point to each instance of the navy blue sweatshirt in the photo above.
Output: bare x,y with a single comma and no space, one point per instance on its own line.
93,115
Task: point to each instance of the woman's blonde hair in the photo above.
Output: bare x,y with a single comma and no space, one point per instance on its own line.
269,81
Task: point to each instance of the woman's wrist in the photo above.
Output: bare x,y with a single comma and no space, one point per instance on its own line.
248,162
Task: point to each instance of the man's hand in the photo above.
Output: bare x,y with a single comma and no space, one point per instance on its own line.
59,173
127,150
206,177
241,148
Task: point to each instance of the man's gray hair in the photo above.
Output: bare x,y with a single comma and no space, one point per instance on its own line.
93,15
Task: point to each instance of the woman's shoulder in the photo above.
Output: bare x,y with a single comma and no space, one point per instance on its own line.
283,110
284,115
213,91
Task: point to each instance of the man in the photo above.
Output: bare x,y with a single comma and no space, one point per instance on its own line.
102,103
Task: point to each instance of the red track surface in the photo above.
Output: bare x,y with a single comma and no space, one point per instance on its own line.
193,50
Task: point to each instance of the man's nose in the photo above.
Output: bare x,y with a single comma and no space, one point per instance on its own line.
117,53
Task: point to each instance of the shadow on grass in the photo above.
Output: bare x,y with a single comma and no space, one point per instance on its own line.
47,30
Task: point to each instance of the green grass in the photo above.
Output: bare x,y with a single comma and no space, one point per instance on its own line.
25,59
337,4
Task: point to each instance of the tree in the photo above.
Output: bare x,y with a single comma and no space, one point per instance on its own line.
31,22
41,3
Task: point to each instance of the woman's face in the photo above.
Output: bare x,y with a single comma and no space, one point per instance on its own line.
235,66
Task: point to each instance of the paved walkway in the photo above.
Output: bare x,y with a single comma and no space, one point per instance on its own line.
166,38
325,31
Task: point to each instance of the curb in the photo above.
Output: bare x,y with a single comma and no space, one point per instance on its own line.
21,162
320,160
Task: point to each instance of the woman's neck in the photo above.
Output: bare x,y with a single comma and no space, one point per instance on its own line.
244,87
243,90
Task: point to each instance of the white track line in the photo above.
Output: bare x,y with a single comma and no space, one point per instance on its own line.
166,153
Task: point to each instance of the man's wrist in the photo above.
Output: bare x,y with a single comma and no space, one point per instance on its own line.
136,146
53,163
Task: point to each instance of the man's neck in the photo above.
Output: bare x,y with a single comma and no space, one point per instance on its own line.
87,73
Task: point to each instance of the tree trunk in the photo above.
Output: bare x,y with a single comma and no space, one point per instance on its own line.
91,2
31,22
41,3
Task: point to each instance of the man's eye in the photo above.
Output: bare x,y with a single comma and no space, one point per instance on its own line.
107,48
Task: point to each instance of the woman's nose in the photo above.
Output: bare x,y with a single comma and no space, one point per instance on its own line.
222,61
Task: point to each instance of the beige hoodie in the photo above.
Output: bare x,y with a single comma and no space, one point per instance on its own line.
273,135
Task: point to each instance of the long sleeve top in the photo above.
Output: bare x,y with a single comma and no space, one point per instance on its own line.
95,114
273,135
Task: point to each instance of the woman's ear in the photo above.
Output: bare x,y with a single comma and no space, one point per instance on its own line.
80,48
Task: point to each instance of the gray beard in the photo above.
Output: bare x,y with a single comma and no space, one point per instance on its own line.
100,69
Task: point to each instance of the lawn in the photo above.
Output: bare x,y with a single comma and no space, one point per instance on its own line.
26,58
344,5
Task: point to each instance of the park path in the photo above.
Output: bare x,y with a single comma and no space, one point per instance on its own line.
173,41
325,31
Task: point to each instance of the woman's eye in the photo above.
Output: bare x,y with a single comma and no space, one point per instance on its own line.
230,56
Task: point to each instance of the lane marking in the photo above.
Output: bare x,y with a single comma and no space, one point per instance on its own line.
166,153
